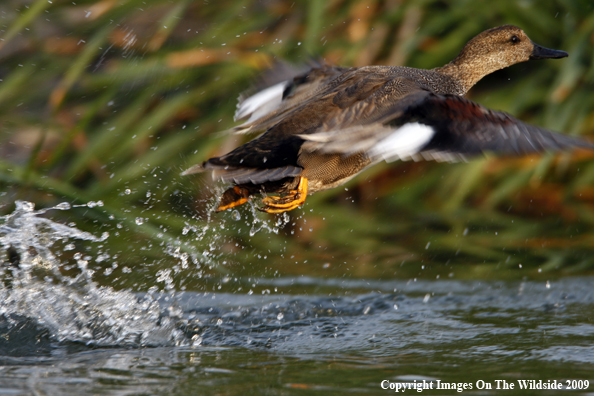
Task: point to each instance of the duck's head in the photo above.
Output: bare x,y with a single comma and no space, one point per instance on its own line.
496,49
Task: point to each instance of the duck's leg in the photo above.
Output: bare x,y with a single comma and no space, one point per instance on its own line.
233,197
291,201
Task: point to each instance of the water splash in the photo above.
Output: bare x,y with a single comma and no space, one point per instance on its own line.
261,222
47,283
205,234
72,308
32,236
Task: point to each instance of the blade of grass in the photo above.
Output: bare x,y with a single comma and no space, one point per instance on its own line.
24,20
167,25
78,67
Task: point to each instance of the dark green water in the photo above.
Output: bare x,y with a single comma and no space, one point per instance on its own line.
444,330
63,333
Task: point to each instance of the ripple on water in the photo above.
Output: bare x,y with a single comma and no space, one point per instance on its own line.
488,319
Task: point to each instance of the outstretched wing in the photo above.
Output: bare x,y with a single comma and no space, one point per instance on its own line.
274,154
441,127
383,116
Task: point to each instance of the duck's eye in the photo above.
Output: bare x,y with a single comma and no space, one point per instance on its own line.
515,39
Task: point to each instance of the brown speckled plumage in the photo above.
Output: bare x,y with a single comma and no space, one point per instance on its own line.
487,53
322,127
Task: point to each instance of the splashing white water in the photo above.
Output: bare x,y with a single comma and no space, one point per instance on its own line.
210,241
73,309
47,277
32,236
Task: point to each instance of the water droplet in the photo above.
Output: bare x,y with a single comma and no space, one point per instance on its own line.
280,316
196,340
548,285
139,220
426,298
255,228
236,215
63,206
24,206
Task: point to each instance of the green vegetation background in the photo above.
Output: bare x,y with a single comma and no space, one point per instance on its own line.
110,100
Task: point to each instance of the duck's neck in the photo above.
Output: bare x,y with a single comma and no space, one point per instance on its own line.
469,68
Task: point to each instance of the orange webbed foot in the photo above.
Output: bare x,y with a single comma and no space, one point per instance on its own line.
233,197
292,200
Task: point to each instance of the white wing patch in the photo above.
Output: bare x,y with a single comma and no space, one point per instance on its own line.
403,143
261,103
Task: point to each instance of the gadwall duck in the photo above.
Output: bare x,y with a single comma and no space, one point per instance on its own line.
323,127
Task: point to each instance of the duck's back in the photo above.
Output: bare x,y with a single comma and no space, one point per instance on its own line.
340,97
327,99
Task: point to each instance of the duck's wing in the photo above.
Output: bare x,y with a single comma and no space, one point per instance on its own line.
267,91
263,107
424,125
312,106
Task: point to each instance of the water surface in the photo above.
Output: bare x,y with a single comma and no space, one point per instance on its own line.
62,332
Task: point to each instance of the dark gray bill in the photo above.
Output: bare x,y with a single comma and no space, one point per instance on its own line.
539,52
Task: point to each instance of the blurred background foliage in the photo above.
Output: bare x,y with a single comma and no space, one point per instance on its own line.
109,100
